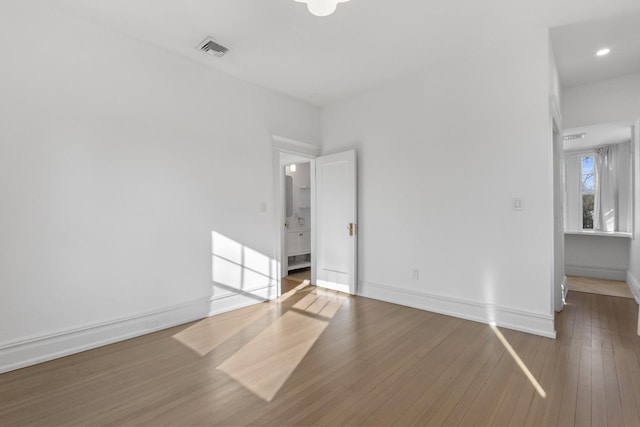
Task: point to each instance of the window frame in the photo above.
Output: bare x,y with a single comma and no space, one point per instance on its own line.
573,204
581,156
573,191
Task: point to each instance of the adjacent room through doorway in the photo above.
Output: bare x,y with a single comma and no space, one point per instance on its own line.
297,224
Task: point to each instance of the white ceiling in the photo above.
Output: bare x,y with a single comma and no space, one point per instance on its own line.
598,135
575,47
279,45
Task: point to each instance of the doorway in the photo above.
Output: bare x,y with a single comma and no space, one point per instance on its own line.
297,222
599,204
332,196
287,152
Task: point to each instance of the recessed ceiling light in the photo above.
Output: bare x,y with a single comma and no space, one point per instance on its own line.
603,52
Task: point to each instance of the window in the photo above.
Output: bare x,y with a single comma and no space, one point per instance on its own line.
598,186
587,190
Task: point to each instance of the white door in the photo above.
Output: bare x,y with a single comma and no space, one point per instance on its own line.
336,216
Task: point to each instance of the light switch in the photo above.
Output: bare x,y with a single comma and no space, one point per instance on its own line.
518,204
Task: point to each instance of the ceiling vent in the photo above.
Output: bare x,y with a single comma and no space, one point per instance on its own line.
212,47
574,136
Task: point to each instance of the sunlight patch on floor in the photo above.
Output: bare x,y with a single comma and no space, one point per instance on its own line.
294,291
265,363
518,361
324,306
206,335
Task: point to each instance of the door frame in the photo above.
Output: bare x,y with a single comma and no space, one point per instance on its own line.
559,277
558,286
283,147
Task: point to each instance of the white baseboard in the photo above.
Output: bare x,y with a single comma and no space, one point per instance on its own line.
595,272
533,323
634,286
235,300
30,351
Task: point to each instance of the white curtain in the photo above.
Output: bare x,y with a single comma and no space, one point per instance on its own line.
625,186
606,207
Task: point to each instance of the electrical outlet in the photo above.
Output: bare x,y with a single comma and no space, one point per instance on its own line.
415,274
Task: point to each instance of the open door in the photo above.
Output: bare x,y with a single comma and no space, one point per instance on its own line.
336,222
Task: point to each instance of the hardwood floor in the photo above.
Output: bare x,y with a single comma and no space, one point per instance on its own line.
323,358
295,278
303,273
288,283
612,288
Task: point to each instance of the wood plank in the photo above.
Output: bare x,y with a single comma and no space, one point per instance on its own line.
385,404
497,393
583,399
473,391
612,390
630,406
558,373
598,410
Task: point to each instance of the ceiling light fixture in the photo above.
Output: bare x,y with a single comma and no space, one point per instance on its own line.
603,52
321,7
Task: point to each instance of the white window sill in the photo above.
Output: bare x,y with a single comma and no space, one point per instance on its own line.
599,233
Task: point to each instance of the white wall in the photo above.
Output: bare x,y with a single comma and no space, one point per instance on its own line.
117,161
441,156
608,101
602,257
602,102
